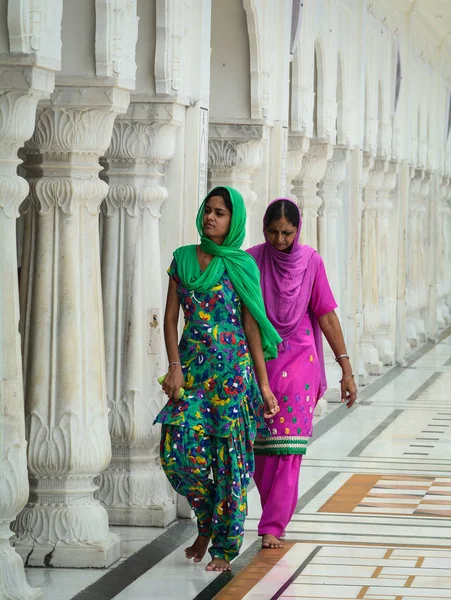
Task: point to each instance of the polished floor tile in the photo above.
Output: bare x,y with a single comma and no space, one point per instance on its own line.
372,520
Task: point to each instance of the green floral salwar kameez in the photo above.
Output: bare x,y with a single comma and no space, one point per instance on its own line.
207,436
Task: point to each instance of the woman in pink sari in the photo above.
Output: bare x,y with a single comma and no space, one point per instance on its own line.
300,305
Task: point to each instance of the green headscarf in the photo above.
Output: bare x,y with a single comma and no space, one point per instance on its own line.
240,266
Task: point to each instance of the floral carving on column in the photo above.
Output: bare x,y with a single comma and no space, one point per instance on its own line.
417,287
297,149
370,267
367,165
31,52
412,263
444,257
20,90
235,154
330,219
134,488
385,209
305,188
62,332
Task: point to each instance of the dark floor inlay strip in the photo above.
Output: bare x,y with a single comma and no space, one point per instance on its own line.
296,574
448,363
120,577
421,446
357,451
429,381
430,431
418,453
222,580
429,439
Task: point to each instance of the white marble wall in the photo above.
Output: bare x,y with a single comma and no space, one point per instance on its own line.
157,95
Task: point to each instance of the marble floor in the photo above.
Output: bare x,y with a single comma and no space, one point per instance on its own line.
373,519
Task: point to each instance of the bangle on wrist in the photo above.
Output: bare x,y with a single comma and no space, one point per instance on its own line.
337,358
174,363
346,377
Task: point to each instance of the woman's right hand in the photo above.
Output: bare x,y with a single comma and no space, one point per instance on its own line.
173,381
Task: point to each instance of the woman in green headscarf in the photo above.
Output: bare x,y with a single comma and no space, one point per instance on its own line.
215,405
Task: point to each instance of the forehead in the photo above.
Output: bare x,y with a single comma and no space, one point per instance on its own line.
215,202
281,224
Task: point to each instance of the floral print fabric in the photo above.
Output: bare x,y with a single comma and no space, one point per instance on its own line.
220,504
220,383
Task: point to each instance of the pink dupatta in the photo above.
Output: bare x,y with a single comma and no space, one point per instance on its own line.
287,281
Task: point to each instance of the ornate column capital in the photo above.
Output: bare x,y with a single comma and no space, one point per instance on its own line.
22,88
143,140
367,165
387,187
225,156
315,162
336,166
235,153
77,120
333,177
298,146
374,183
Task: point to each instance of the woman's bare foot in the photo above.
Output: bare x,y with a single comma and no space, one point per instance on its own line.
270,541
198,549
218,564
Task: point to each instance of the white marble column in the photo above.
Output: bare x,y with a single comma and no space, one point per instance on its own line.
20,90
367,165
134,488
235,153
331,217
370,268
443,266
417,289
62,331
447,243
419,317
305,188
384,262
412,257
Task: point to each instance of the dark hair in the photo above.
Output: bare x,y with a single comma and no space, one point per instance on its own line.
224,194
279,209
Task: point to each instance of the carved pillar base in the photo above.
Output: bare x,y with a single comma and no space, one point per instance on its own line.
370,357
384,348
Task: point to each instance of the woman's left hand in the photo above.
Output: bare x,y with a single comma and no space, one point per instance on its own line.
348,390
271,405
